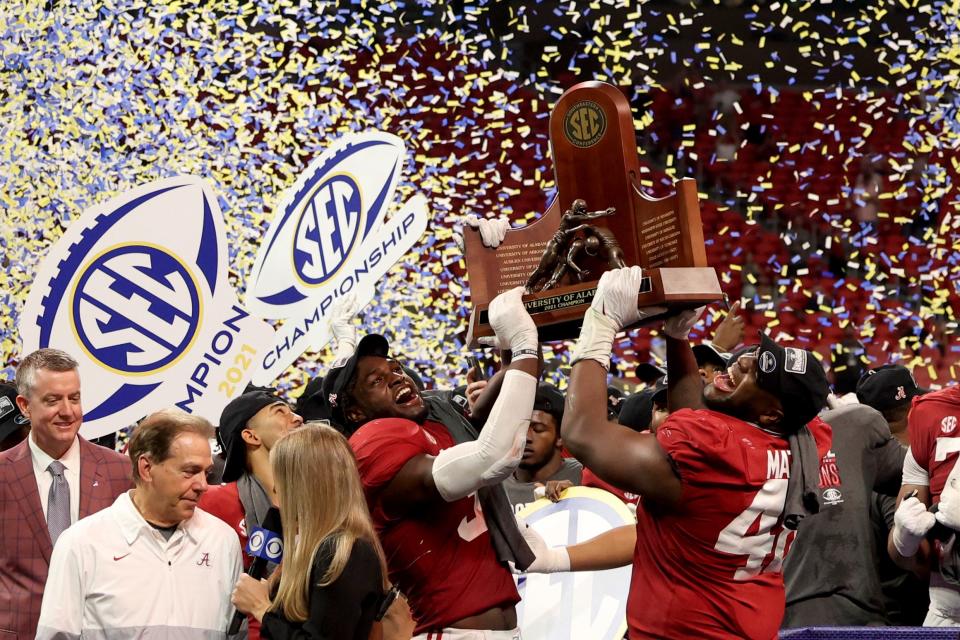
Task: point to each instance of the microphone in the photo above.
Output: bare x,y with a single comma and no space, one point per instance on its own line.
265,545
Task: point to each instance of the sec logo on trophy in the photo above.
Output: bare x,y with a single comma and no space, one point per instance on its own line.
333,234
137,291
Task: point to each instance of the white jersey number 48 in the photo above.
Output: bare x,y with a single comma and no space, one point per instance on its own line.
768,506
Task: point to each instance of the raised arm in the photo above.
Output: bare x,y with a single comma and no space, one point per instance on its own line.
460,470
626,459
608,550
684,384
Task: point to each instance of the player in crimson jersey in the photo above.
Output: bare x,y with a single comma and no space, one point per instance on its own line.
710,538
931,476
425,474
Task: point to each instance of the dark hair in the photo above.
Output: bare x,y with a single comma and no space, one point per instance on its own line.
154,435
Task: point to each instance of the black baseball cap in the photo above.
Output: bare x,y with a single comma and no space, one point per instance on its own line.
549,399
11,420
310,404
887,387
706,353
795,377
647,372
336,381
233,420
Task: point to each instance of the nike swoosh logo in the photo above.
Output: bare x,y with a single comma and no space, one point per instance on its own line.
121,557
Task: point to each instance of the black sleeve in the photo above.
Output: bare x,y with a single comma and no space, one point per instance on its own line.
343,610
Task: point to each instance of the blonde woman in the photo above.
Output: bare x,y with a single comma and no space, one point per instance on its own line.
332,581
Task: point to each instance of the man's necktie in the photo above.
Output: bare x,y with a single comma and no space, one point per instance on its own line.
58,502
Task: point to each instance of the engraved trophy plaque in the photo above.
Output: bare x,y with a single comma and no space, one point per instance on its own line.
599,220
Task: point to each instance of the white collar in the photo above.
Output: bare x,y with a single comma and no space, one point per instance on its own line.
42,459
132,522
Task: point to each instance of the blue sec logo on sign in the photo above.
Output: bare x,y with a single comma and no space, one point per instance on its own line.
136,308
328,229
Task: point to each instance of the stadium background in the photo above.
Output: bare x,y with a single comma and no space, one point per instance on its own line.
98,97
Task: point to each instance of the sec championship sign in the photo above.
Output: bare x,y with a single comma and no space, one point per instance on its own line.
136,290
333,235
576,605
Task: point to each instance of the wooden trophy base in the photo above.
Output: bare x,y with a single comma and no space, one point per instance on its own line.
558,313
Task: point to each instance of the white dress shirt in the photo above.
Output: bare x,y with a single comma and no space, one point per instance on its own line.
71,472
112,575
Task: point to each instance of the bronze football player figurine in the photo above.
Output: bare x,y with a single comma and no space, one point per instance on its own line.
556,258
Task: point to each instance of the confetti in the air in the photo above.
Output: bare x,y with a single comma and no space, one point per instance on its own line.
824,138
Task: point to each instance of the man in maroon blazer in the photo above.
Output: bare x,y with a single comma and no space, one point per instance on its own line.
47,482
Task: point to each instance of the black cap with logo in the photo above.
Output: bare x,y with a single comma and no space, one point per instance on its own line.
11,420
887,387
336,381
233,421
795,377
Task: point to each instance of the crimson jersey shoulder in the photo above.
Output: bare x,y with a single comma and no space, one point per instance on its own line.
701,443
932,416
700,426
377,433
217,499
382,447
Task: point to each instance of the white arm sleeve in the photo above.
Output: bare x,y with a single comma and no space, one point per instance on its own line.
913,473
461,470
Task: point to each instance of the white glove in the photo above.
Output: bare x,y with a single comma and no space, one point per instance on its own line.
513,325
492,230
341,326
616,296
911,522
679,326
948,512
614,307
548,559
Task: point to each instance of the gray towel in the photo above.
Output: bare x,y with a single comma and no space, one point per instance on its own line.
803,487
255,503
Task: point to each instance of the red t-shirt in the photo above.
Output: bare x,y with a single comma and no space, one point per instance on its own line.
935,435
712,568
223,501
440,556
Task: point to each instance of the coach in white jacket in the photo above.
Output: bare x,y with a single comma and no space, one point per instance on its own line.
152,564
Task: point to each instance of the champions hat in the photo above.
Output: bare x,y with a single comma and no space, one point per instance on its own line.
11,420
795,377
887,387
233,420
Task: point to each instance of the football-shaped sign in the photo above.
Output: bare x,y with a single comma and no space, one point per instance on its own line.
582,604
137,291
333,235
